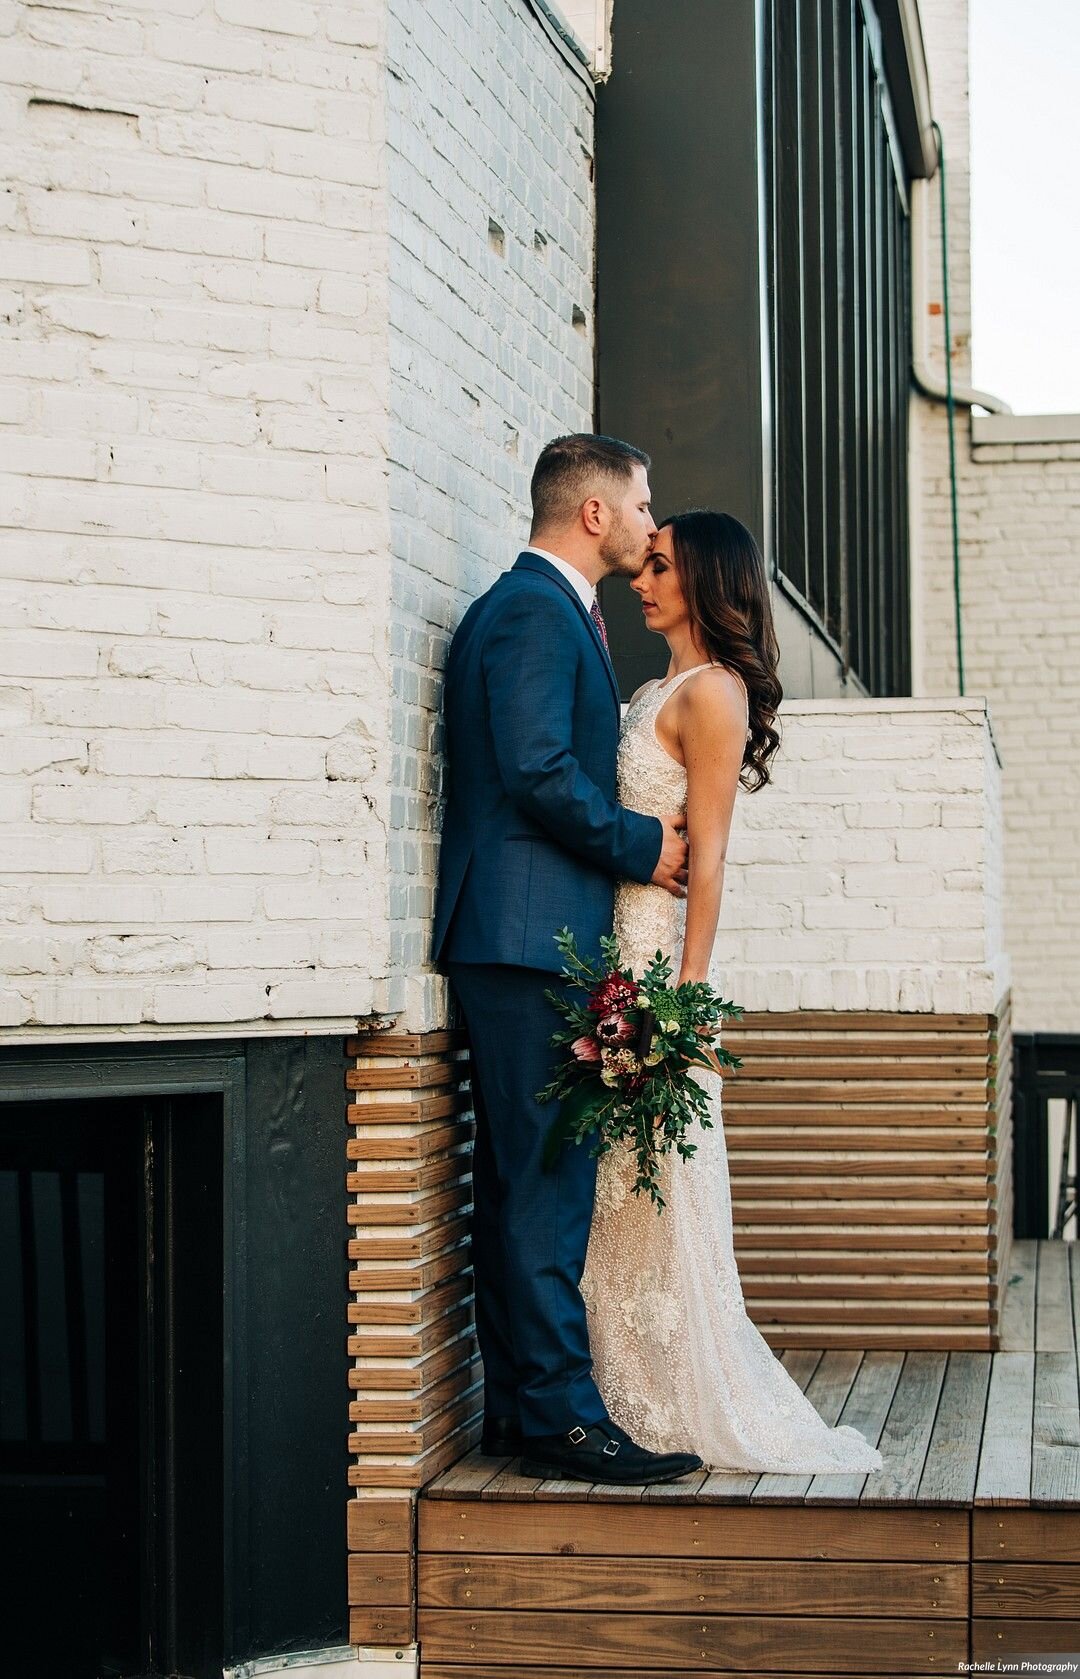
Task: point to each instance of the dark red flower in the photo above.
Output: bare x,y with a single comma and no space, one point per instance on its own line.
613,996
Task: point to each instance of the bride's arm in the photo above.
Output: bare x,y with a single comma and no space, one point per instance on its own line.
712,735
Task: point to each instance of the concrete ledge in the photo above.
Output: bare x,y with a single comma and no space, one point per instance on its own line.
340,1662
998,429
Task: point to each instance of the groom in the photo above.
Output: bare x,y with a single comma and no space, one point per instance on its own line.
533,841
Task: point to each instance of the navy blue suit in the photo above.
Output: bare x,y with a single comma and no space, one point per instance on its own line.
532,841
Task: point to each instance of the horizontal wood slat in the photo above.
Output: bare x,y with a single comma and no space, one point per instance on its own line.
381,1578
689,1643
417,1145
416,1472
459,1525
406,1111
406,1043
1026,1590
386,1246
709,1585
996,1638
413,1440
380,1375
1026,1535
381,1524
413,1076
514,1670
420,1406
794,1022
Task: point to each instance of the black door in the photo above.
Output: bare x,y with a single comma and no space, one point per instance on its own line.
111,1387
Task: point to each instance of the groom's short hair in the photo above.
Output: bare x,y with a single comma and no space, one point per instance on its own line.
570,469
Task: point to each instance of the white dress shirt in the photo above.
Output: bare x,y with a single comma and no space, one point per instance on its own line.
586,590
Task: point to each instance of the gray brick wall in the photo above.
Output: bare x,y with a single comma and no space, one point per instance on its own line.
491,220
194,782
1020,541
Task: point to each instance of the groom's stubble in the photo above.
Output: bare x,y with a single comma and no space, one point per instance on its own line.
622,554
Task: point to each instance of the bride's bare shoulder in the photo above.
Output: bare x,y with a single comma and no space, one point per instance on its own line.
715,700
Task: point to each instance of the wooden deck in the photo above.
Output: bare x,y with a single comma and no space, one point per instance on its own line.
966,1546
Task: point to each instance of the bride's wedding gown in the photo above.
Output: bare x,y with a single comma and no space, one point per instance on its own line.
679,1364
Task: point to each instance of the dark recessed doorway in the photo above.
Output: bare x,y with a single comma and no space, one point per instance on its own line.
111,1386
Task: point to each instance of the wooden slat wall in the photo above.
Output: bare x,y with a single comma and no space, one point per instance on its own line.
415,1376
871,1176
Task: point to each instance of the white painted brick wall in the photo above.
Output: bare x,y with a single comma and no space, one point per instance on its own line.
1020,538
490,170
867,875
194,585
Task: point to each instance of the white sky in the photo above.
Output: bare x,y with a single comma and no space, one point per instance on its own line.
1025,161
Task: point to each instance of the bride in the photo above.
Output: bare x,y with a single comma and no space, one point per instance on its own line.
679,1364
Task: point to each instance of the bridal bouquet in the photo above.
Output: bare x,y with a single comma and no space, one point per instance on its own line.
631,1046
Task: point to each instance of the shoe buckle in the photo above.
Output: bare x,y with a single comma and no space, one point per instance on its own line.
577,1435
611,1448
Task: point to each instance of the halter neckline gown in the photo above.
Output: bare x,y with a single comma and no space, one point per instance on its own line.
678,1362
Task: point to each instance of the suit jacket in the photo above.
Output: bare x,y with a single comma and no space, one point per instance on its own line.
532,837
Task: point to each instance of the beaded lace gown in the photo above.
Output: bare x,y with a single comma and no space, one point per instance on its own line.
679,1364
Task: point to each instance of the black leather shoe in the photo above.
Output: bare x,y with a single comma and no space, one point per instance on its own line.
602,1453
501,1437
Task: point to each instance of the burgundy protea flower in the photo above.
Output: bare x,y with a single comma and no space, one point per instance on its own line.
613,996
613,1030
586,1049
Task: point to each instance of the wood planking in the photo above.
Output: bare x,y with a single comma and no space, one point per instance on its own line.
692,1643
744,1574
866,1408
1055,1433
1018,1298
955,1427
827,1390
898,1127
1025,1590
994,1638
473,1522
951,1466
415,1383
1005,1459
1026,1535
443,1670
713,1586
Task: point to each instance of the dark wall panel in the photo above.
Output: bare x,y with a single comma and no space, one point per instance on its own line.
278,1149
678,308
296,1295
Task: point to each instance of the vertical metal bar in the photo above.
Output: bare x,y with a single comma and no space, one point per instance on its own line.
165,1291
31,1307
74,1304
834,240
812,310
148,1478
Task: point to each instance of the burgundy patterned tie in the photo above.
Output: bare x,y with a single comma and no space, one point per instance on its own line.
598,619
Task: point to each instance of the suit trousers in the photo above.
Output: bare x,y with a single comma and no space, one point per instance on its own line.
531,1222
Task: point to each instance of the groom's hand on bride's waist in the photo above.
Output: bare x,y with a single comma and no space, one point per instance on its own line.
670,870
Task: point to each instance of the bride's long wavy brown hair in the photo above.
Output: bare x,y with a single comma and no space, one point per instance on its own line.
722,576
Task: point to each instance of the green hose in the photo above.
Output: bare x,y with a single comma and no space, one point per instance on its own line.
950,408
